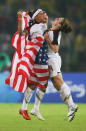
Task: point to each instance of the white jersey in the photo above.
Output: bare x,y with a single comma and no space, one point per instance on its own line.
54,60
51,37
37,30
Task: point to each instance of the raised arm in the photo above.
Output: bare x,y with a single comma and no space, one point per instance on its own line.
20,24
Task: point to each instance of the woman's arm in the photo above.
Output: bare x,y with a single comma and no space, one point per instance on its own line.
53,46
20,22
21,32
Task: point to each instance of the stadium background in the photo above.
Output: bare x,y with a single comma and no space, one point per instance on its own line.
73,53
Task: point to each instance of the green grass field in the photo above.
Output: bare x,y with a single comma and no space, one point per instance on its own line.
55,118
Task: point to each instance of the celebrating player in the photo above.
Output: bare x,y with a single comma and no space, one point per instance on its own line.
53,38
39,77
23,61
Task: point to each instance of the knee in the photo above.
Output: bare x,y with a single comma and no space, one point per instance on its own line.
32,87
57,82
43,89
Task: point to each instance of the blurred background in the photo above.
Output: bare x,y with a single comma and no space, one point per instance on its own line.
73,45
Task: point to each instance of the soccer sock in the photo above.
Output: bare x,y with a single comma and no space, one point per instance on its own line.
28,94
24,105
66,95
38,98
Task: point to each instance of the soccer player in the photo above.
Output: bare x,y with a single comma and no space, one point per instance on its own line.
53,38
31,49
28,57
39,77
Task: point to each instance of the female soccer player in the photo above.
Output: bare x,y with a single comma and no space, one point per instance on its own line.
53,38
40,72
27,57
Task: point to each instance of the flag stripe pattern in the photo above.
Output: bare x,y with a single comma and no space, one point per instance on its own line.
28,59
23,61
40,75
18,41
18,83
22,67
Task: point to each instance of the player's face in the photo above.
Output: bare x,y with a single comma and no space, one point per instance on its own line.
42,17
45,18
57,22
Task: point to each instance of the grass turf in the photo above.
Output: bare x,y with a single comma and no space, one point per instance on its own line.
55,118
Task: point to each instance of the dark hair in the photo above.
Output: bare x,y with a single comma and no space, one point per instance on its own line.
31,12
66,26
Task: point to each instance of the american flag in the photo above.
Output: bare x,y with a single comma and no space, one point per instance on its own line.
23,61
18,41
13,80
42,57
22,68
40,72
40,75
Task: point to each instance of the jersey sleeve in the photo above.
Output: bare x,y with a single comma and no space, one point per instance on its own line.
55,37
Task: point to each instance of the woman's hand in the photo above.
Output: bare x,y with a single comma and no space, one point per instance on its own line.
54,27
56,24
46,36
19,14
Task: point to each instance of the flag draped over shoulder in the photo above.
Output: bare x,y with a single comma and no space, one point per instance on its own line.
22,67
24,58
28,59
19,41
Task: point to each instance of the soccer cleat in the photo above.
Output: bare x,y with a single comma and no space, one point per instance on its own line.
72,111
70,118
25,114
37,114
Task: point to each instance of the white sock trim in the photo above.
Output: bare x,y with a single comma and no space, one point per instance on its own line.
39,96
65,93
24,105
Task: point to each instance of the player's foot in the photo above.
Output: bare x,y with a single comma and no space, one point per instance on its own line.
37,114
25,114
72,111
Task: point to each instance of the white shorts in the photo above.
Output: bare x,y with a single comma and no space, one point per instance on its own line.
54,63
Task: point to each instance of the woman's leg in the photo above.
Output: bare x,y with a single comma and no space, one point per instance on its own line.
27,96
38,98
65,94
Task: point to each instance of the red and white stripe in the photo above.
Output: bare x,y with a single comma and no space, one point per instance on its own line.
18,83
25,20
39,76
23,60
28,59
11,77
22,67
18,41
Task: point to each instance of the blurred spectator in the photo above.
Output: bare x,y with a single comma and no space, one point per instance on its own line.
79,54
5,63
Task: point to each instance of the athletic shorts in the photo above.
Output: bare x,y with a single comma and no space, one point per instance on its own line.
54,63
